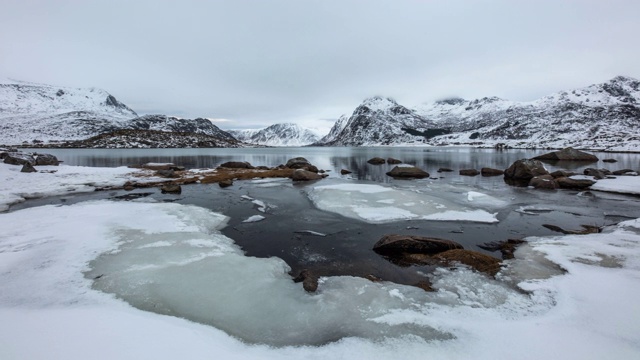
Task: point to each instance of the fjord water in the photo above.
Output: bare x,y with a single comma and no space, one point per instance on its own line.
246,291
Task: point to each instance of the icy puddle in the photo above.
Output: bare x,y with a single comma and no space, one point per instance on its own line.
379,204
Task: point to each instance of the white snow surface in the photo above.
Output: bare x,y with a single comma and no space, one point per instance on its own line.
375,203
16,186
621,184
48,309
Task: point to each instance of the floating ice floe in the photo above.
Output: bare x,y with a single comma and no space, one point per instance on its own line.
621,184
254,218
378,204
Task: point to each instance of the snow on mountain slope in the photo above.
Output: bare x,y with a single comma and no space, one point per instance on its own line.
379,121
285,134
602,116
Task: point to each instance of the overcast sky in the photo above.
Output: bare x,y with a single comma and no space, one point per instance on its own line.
253,63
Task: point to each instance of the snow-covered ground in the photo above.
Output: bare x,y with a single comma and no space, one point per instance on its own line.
172,259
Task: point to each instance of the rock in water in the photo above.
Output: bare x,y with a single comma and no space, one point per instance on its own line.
477,261
393,161
225,183
485,171
544,182
236,165
521,171
305,175
469,172
390,244
46,159
567,154
376,161
171,188
407,172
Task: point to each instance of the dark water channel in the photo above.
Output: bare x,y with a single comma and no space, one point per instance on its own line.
346,247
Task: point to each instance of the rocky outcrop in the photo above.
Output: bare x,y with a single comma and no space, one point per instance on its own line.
305,175
544,182
18,158
569,183
567,154
237,165
597,174
171,188
46,160
407,172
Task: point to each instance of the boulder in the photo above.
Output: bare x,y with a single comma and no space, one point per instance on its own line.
544,182
298,163
225,183
345,172
445,170
521,171
562,173
567,154
399,244
485,171
476,260
236,165
469,172
609,160
16,158
166,173
28,168
171,188
598,174
569,183
407,172
46,159
376,161
625,172
393,161
305,175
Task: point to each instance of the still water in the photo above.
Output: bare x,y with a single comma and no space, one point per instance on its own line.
346,247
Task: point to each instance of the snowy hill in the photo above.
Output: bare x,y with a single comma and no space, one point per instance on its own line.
602,116
38,113
286,134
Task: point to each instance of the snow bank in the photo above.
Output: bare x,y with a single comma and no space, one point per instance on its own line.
16,186
170,258
621,184
379,204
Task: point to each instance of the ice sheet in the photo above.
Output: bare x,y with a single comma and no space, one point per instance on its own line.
48,309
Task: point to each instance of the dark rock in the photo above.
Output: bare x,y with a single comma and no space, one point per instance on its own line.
298,163
393,161
345,172
598,174
376,161
485,171
225,183
407,172
445,170
398,244
609,160
28,168
521,171
46,159
568,183
236,165
15,158
469,172
567,154
128,186
562,173
166,173
305,175
544,182
308,279
587,229
624,172
425,285
156,166
476,260
507,248
171,188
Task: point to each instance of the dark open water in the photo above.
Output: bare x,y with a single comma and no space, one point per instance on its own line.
346,250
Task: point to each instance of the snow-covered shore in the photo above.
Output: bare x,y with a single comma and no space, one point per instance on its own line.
48,309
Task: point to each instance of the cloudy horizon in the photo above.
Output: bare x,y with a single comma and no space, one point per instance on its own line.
254,63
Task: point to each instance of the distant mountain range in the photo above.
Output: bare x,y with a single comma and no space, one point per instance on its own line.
601,117
285,134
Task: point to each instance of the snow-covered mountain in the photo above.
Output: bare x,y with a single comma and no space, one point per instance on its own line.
285,134
601,116
378,121
50,114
